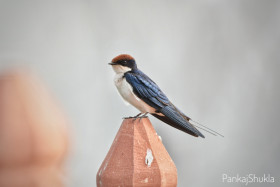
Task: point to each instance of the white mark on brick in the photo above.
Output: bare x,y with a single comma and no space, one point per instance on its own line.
159,137
149,157
146,180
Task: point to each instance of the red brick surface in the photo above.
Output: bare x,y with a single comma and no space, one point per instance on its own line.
125,163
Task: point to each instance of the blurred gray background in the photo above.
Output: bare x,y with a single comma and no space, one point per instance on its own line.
218,61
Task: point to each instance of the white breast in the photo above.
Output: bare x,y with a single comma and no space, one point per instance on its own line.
127,94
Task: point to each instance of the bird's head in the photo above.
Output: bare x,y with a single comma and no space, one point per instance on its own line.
123,63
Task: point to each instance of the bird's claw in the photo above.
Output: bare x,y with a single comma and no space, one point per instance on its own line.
138,116
129,117
143,116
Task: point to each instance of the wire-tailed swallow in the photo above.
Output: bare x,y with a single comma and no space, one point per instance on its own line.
140,91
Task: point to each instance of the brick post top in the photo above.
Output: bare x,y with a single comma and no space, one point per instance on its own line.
137,157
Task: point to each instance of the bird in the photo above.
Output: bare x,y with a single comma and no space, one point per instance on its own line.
137,89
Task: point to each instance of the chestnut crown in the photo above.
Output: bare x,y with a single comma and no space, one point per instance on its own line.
124,60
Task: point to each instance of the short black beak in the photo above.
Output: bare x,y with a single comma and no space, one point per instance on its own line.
112,63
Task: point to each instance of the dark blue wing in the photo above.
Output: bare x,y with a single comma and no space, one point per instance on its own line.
146,89
150,93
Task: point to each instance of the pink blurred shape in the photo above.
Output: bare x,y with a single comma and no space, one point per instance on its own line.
33,133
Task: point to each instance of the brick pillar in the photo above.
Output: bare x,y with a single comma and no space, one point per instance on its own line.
137,157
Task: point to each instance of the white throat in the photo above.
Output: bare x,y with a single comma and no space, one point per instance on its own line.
120,69
126,92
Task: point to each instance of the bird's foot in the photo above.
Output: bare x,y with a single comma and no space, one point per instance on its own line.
129,117
137,116
143,116
134,117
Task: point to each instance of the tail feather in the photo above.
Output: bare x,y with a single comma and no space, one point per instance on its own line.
174,118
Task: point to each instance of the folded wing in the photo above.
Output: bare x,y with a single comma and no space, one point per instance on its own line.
150,93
